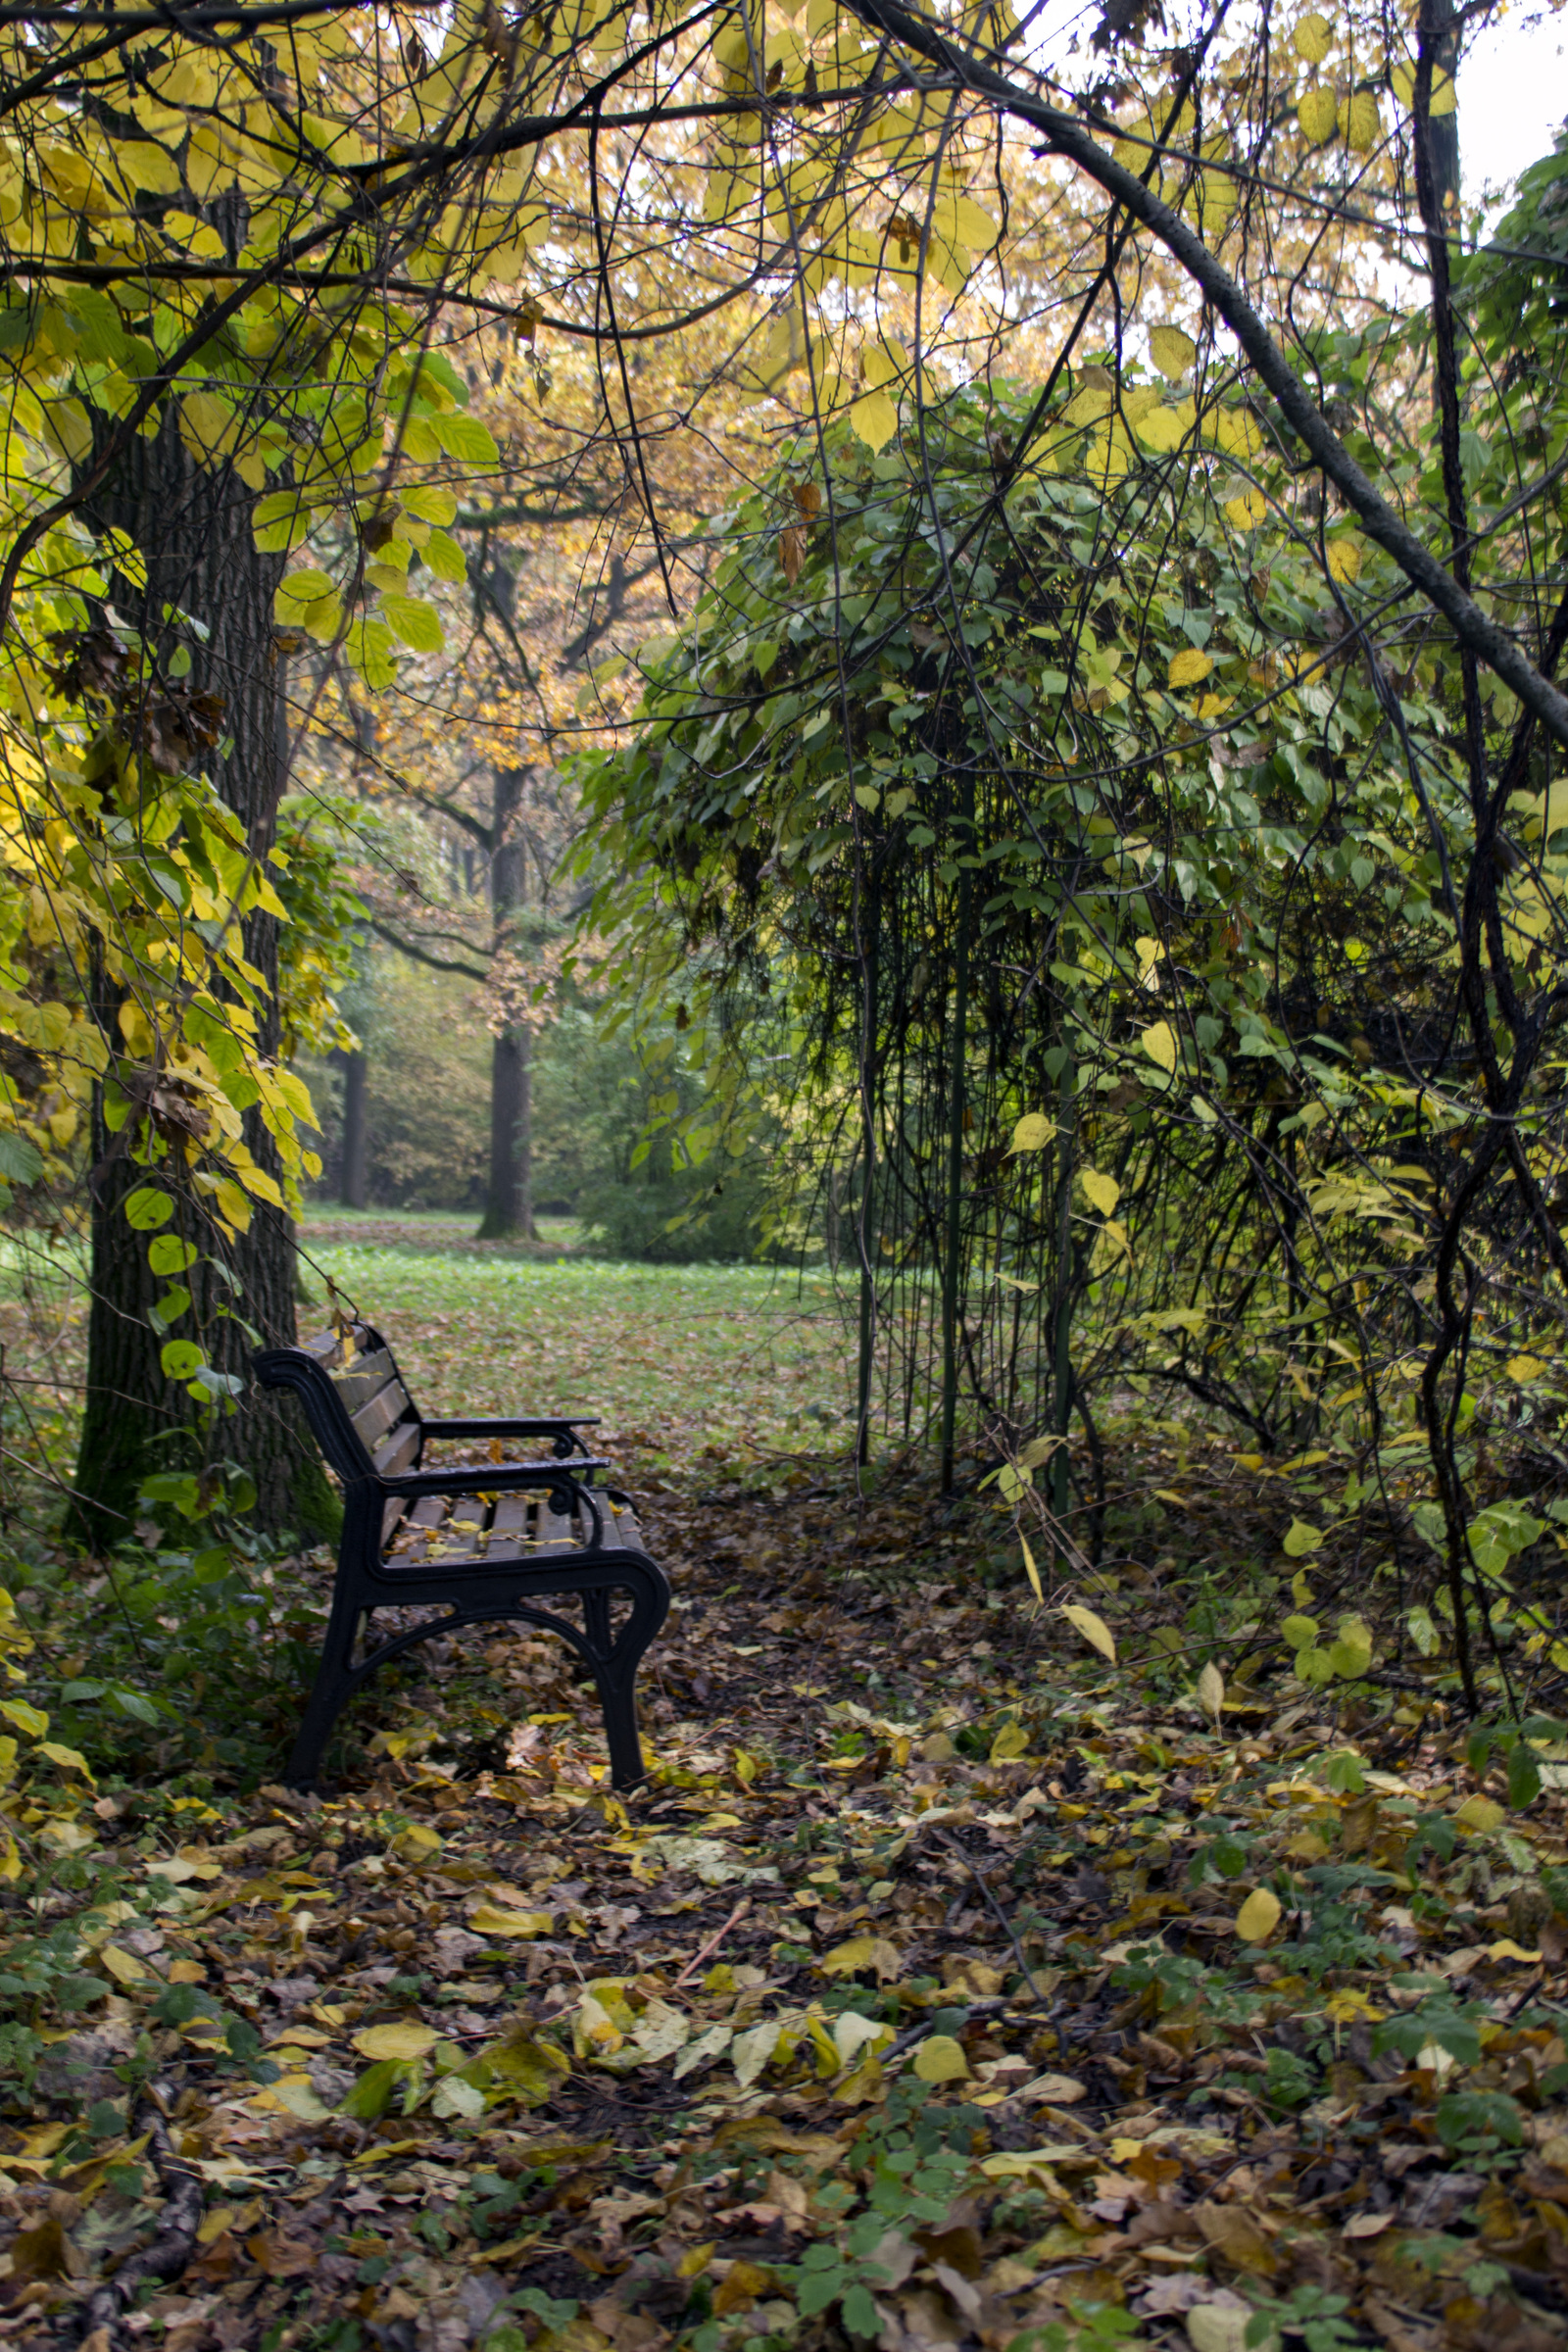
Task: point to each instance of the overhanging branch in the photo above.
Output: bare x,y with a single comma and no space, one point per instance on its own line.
1067,137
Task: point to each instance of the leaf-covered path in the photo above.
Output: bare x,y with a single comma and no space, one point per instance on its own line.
908,2002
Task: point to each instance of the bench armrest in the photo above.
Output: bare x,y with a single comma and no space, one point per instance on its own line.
489,1478
470,1426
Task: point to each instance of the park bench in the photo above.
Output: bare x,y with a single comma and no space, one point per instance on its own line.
485,1542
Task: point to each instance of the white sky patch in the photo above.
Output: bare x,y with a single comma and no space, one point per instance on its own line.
1513,95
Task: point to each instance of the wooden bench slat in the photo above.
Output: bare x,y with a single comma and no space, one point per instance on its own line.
509,1527
554,1529
421,1530
390,1405
360,1380
397,1453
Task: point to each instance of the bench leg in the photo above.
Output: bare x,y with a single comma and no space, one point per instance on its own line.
614,1665
335,1683
612,1661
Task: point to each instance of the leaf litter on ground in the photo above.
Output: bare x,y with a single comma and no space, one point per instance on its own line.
939,1989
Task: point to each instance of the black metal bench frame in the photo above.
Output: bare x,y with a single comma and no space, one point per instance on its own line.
373,1435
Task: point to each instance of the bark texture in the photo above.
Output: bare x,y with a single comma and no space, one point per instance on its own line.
194,530
356,1179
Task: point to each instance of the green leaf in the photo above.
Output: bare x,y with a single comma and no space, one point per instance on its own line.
282,520
169,1254
1524,1775
418,624
146,1208
370,649
181,1359
466,440
21,1161
297,591
372,2094
430,500
446,558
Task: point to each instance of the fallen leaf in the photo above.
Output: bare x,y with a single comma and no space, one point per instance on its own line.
405,2041
940,2059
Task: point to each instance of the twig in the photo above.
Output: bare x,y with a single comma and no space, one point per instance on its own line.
169,2251
1004,1923
712,1944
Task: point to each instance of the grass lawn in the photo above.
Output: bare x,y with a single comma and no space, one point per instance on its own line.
744,1359
674,1358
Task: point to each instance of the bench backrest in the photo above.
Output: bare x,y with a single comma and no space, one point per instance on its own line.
365,1422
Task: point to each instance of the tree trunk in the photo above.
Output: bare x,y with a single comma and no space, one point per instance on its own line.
194,530
526,1223
503,1199
355,1177
509,1204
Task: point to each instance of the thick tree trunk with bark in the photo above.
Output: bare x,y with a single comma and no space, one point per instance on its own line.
194,530
356,1178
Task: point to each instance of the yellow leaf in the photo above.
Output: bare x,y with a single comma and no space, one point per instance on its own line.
1095,1631
207,426
1300,1539
1247,509
1161,429
416,1843
488,1919
1189,667
1258,1916
1312,38
1104,1191
1526,1367
232,1205
1011,1740
1211,1689
70,1759
1481,1814
1033,1132
1344,558
876,419
124,1965
1361,121
1505,1948
1171,351
862,1952
403,2041
1160,1043
940,2059
294,2095
1318,112
1030,1570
